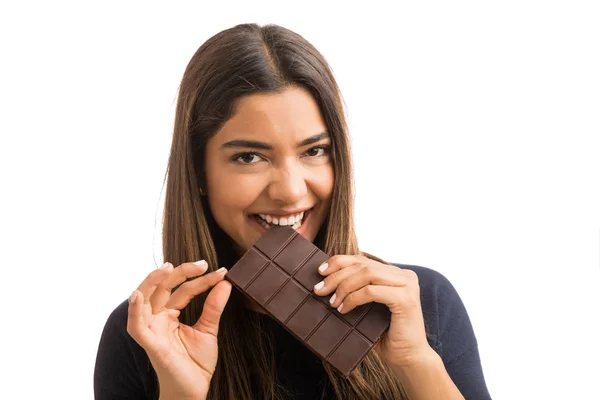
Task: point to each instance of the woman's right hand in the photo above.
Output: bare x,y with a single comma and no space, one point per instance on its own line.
183,357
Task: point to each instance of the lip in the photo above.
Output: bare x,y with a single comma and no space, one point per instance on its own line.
301,230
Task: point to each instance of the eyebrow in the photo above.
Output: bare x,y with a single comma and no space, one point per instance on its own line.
265,146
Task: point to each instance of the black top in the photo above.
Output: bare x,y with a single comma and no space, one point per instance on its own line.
121,370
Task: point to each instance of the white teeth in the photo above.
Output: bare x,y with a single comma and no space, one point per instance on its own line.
294,221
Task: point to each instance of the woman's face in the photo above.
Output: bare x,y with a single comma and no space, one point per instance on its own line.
271,158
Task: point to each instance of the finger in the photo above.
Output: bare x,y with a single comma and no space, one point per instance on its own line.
161,295
154,278
213,308
340,261
186,292
388,295
331,282
173,314
137,326
368,276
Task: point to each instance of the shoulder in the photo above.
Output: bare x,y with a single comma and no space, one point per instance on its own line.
118,318
115,329
122,367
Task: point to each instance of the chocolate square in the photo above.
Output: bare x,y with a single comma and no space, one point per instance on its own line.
307,318
288,257
287,300
266,284
353,347
328,335
373,324
253,261
308,274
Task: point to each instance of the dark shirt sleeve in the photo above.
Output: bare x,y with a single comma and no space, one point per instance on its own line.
450,332
122,370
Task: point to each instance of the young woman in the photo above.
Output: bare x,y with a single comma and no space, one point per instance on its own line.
260,138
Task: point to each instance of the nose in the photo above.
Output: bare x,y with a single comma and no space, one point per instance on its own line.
288,183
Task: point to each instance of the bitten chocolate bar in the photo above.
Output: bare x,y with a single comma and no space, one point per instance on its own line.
279,272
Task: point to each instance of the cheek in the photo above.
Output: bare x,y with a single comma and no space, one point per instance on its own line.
231,195
220,187
323,183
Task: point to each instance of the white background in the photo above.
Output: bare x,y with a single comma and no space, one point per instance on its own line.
474,127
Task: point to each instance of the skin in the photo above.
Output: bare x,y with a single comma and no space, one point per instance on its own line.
284,178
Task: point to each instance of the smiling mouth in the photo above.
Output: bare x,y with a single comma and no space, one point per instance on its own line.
268,225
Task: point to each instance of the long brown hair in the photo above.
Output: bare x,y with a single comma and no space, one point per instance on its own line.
237,62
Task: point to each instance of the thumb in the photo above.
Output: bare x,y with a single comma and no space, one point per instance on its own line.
213,308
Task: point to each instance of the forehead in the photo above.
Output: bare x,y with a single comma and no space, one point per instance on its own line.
290,115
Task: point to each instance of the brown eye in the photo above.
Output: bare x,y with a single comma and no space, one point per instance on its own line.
317,148
245,157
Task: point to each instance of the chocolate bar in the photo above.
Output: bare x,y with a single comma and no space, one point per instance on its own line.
279,272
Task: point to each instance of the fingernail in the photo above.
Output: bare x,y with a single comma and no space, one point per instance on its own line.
332,299
319,285
133,297
323,267
340,307
221,269
164,266
201,262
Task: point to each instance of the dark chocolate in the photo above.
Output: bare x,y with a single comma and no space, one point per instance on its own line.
279,272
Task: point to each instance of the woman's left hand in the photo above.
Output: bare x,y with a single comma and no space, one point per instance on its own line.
358,280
